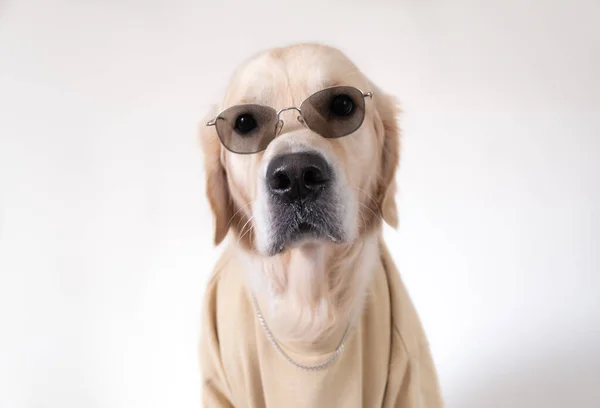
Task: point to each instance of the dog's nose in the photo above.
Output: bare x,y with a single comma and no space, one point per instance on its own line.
296,176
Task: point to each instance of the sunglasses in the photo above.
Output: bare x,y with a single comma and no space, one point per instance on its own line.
332,113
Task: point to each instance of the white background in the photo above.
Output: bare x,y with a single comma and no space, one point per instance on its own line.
105,234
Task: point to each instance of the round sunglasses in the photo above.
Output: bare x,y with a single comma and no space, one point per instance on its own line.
332,113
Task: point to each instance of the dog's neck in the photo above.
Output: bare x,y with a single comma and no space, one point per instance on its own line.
310,294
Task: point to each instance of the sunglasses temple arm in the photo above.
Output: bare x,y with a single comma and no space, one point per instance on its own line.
211,122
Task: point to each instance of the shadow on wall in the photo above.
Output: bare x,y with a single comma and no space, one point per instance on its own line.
559,380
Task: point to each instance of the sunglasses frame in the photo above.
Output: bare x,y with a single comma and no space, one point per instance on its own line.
279,123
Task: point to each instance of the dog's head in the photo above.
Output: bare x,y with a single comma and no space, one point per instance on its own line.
321,171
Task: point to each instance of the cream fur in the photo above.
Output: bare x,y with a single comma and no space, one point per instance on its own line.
313,289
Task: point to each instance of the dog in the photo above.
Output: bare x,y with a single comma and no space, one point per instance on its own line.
305,307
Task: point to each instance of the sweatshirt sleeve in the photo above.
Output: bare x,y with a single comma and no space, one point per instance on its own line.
413,380
215,389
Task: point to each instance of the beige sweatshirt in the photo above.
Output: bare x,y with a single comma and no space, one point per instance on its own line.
385,362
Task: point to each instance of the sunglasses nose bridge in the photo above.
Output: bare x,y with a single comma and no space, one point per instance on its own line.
281,122
288,109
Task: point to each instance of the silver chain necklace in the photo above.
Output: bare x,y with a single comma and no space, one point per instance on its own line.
278,348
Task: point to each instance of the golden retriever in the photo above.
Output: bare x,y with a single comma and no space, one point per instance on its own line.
305,307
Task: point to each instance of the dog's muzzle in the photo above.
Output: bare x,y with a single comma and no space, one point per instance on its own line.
302,203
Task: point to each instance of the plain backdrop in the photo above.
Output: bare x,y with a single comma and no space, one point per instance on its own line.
105,233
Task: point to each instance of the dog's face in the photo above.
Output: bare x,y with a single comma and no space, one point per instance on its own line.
304,188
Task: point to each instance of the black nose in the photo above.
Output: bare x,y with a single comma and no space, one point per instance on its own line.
296,176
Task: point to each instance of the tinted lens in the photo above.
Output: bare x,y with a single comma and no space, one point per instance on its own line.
246,128
334,112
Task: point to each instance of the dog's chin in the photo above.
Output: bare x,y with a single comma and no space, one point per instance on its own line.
304,234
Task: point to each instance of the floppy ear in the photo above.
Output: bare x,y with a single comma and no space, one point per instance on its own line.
388,110
217,189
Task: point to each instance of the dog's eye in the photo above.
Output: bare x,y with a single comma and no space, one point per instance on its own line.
245,123
342,105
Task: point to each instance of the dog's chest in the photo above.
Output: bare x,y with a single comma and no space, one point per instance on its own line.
259,376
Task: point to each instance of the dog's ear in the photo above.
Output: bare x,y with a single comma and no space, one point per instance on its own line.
388,111
217,189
